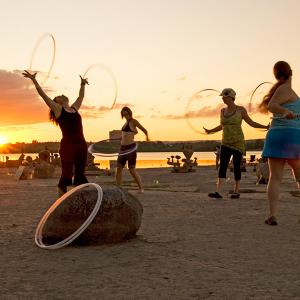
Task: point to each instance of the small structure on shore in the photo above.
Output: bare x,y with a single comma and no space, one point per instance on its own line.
55,160
186,164
90,163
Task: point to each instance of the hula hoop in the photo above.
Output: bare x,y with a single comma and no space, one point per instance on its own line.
297,116
111,74
192,98
37,44
253,93
120,153
38,234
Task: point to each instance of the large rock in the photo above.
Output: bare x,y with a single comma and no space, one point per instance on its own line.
117,220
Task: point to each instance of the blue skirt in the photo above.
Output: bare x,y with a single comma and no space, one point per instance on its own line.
282,143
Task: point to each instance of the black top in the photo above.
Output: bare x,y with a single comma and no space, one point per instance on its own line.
71,126
126,127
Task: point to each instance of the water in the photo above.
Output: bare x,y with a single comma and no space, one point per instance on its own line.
148,159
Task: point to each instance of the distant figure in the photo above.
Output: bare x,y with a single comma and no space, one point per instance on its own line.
233,141
129,130
45,155
29,160
21,158
217,153
73,147
282,142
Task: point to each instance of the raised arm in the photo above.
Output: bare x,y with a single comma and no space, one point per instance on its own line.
79,100
214,130
52,105
249,121
138,125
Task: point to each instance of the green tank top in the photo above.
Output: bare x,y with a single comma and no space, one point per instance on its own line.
233,136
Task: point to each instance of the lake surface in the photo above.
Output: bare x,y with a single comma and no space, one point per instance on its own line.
148,159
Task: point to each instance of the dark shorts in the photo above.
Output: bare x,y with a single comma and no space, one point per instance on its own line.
130,158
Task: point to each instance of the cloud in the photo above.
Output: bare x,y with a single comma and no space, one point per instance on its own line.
205,94
205,112
94,112
19,101
15,128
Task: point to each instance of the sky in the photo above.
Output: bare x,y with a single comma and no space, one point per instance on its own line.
160,52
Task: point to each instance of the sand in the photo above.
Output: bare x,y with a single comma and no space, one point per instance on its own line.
189,246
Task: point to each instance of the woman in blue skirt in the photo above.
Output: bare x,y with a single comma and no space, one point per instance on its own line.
282,144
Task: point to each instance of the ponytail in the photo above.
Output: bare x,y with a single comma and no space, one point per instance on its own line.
282,72
263,106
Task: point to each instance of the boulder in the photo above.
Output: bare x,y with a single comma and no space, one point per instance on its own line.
117,220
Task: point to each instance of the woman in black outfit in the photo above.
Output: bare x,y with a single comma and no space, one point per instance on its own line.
73,147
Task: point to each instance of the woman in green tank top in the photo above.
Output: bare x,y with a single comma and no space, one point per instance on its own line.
233,141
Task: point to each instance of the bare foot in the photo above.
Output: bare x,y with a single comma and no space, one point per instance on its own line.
141,191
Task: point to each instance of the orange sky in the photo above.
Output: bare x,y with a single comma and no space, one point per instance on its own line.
161,53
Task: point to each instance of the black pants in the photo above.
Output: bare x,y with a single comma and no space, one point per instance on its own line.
73,157
225,156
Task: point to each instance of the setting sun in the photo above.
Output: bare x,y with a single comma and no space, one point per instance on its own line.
3,140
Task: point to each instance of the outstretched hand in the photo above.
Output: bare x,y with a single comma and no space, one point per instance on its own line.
83,80
29,75
207,131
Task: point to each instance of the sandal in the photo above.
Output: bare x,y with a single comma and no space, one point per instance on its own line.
235,195
215,195
271,221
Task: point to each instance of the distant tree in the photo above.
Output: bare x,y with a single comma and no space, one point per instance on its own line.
34,142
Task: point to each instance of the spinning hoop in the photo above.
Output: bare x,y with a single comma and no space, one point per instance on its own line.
38,234
111,74
297,116
253,93
37,44
192,98
110,145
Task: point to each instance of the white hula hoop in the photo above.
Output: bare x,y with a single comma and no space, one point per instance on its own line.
111,74
187,118
38,234
90,149
37,44
297,116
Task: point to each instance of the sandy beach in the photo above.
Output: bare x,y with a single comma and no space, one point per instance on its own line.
188,247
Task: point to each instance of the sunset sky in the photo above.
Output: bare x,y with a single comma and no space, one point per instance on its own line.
161,52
